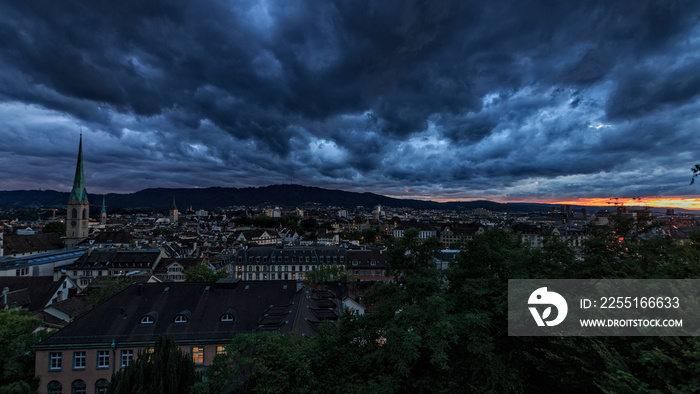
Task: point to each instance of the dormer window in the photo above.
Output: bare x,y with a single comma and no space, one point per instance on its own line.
180,319
149,318
226,317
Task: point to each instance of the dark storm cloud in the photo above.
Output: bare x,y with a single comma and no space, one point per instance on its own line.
507,98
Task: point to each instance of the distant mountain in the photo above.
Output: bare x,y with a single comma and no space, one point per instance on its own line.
161,199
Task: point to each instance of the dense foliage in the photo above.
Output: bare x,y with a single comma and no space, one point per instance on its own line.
203,272
324,273
55,227
446,331
108,287
168,370
18,333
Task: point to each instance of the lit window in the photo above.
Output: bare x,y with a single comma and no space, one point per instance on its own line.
127,357
221,349
147,320
55,359
103,359
180,319
78,360
198,355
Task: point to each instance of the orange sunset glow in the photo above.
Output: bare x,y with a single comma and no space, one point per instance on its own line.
648,202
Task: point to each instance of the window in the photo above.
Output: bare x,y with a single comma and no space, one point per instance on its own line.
147,320
78,387
54,387
79,360
101,386
55,361
127,357
198,355
180,319
227,317
84,282
103,359
221,349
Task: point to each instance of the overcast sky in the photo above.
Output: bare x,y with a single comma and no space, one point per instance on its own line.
503,100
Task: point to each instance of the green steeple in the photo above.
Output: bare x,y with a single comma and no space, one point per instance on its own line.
104,210
78,193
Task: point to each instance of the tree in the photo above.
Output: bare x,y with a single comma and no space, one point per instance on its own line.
55,227
203,272
18,334
696,172
108,288
264,363
162,231
325,273
167,370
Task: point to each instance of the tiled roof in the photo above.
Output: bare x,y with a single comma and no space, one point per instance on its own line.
119,318
31,292
15,244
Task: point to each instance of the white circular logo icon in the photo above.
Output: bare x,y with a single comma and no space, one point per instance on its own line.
543,297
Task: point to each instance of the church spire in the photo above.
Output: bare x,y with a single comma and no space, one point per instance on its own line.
104,207
78,193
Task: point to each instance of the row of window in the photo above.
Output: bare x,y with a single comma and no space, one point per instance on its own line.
293,259
372,262
274,276
274,268
80,359
127,357
77,387
370,273
180,319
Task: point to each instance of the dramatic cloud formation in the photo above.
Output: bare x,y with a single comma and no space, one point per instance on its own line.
505,100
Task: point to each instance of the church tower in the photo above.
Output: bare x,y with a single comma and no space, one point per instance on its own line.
103,213
173,213
78,212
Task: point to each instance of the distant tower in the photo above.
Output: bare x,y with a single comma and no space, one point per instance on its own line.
103,213
78,212
173,213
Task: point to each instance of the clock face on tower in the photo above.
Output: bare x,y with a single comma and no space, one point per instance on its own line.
72,224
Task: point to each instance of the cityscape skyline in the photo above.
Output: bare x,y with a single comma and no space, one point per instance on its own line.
526,102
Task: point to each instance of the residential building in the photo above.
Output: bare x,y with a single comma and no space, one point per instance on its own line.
202,318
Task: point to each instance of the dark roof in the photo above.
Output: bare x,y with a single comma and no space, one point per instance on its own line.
117,258
111,237
73,306
31,292
39,242
184,262
118,319
364,258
